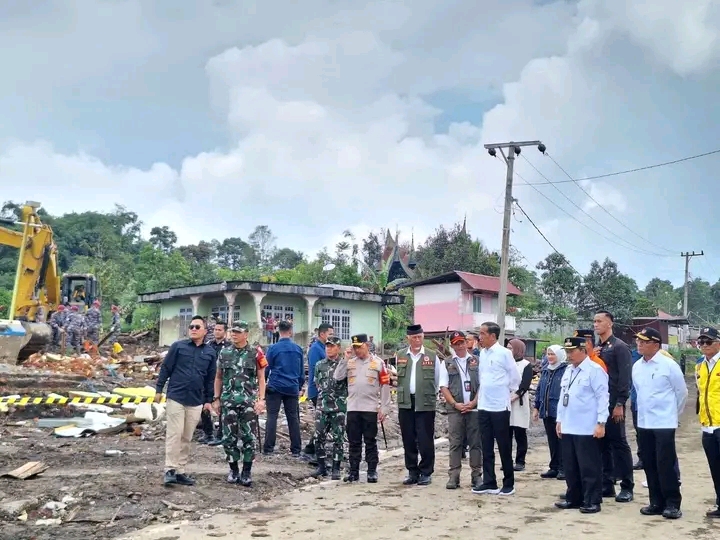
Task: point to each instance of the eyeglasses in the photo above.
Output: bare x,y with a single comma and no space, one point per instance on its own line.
195,327
705,341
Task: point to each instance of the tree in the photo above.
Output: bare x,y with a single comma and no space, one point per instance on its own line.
558,286
644,307
201,253
163,238
701,309
286,258
449,250
604,287
372,250
263,242
662,295
235,253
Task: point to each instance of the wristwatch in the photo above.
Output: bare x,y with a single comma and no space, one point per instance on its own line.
601,423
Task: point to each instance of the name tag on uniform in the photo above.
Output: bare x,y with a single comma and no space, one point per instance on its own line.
566,400
467,386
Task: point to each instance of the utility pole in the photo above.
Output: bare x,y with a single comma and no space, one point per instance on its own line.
513,150
688,256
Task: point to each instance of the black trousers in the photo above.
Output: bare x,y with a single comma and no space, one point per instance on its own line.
556,461
583,469
417,430
495,427
273,400
310,446
659,457
616,454
711,445
208,425
520,436
362,426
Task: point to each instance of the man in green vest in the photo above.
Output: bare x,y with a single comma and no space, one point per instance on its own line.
418,371
459,383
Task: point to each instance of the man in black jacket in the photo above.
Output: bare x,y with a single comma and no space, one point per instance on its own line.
218,342
189,369
616,451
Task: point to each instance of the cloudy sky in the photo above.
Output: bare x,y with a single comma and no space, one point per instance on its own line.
212,117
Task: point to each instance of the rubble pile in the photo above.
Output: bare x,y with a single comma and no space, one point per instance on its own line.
92,366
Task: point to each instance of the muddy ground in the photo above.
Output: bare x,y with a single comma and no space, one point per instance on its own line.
391,511
88,495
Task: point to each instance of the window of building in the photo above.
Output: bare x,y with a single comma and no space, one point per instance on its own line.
186,315
221,313
279,312
340,321
477,304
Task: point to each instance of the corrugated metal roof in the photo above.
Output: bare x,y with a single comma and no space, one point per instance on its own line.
476,282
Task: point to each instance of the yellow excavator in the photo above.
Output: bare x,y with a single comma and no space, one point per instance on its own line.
38,289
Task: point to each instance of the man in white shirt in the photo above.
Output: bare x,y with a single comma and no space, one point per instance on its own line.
459,383
661,396
581,418
498,379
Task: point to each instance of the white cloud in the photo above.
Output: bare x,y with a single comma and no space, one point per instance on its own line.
330,127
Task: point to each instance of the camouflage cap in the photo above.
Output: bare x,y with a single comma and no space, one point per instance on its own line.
239,326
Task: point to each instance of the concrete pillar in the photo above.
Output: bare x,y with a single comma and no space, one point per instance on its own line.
256,335
230,299
311,301
195,299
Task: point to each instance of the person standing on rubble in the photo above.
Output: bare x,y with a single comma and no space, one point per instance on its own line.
459,383
286,378
115,325
74,329
57,324
368,382
315,354
218,342
418,375
189,369
93,322
240,393
330,410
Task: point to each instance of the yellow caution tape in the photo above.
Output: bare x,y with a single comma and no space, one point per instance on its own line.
114,400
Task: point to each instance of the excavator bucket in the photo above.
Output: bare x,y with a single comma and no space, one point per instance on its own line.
20,339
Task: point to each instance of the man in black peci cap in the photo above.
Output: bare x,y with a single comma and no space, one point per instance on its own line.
418,373
581,418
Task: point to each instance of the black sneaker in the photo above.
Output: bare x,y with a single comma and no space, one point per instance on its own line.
507,491
519,467
549,474
713,513
170,477
484,489
184,480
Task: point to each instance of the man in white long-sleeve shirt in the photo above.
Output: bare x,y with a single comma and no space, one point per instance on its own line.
499,378
661,395
581,418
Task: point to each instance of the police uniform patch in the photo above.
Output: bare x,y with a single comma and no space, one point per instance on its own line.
402,361
373,365
426,362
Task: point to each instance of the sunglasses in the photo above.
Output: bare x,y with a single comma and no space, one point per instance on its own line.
705,341
195,327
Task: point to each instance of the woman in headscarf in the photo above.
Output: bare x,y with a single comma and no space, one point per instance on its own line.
520,404
547,397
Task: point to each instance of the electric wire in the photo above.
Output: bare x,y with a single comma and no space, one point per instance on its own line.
549,243
636,169
616,241
577,183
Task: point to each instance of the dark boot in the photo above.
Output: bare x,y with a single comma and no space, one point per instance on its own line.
353,474
335,471
245,477
321,470
372,475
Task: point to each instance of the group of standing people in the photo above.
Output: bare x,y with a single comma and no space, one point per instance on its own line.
70,327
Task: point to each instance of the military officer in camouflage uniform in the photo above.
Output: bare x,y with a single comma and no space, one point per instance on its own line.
74,329
330,410
240,390
93,323
57,323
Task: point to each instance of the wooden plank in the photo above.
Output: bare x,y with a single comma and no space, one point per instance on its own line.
30,469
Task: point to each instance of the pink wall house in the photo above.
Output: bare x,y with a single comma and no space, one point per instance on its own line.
460,301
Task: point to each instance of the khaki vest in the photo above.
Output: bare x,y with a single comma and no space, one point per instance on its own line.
455,380
425,388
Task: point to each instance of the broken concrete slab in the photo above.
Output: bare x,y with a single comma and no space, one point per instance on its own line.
10,509
30,469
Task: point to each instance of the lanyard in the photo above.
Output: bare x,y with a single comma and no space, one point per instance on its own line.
572,379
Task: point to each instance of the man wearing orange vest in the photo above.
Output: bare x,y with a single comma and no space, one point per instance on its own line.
709,406
589,336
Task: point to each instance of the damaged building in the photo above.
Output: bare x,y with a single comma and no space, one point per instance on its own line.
350,310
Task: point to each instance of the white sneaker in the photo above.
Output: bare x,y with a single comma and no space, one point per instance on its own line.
644,483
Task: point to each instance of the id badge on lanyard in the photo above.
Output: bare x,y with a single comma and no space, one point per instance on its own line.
466,385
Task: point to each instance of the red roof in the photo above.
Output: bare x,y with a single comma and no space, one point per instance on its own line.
479,282
476,282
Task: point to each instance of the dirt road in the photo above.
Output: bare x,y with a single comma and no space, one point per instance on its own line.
388,510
